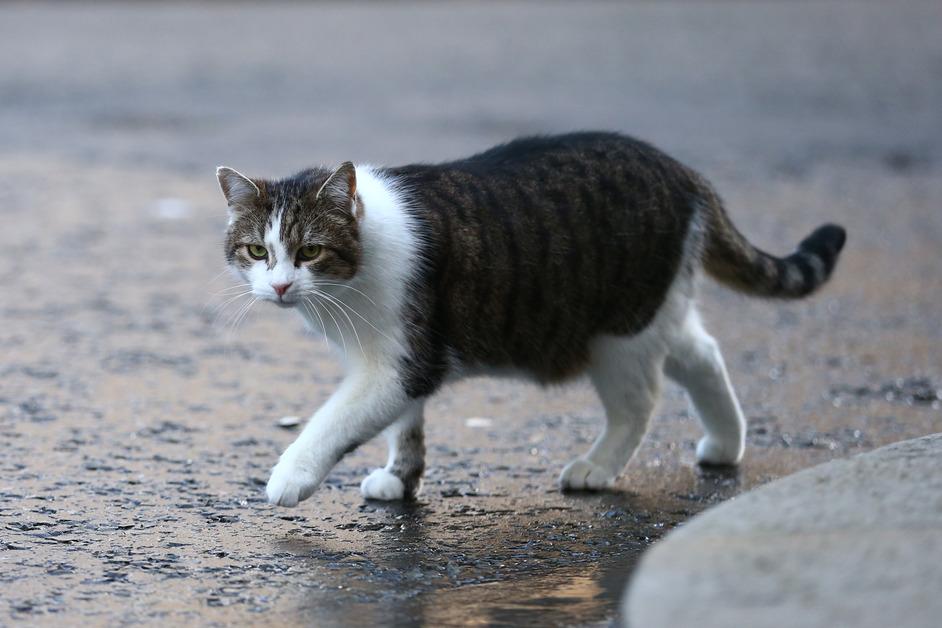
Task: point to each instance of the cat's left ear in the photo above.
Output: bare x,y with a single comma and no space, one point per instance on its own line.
340,189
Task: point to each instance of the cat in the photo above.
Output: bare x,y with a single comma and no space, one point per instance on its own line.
548,257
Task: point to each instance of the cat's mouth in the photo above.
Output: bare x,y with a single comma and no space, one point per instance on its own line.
283,302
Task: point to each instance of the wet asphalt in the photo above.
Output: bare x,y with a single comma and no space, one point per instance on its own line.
138,422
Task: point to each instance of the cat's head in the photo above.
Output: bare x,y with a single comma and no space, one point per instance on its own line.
286,237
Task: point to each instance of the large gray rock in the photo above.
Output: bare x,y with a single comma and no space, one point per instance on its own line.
854,542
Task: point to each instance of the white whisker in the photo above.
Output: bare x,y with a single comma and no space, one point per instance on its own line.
332,301
241,286
352,309
236,319
245,312
340,331
343,285
220,310
231,299
313,309
221,273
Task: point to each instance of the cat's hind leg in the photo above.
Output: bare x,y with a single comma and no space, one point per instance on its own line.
402,475
626,373
695,362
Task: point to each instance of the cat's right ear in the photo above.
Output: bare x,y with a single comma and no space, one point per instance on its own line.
239,190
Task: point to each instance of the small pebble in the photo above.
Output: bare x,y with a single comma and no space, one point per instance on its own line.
288,421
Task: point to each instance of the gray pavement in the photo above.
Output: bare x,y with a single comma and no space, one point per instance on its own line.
853,542
137,427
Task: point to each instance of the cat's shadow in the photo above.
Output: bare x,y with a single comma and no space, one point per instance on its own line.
717,481
703,485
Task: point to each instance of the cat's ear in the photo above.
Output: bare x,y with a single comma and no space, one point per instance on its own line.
340,189
239,190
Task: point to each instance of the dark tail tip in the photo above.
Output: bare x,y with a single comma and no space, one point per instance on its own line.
826,243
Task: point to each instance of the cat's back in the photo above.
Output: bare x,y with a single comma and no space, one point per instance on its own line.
595,195
542,155
538,244
531,152
553,176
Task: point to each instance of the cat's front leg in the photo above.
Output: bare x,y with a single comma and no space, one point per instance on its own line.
366,402
402,475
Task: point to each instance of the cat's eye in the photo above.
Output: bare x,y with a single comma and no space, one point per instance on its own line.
257,251
308,253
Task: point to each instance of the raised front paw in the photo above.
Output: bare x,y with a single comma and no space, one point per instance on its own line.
291,481
711,451
381,484
585,475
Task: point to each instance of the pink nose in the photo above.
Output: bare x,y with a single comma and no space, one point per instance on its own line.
281,288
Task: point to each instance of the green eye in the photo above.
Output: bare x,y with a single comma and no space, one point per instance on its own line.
257,251
308,253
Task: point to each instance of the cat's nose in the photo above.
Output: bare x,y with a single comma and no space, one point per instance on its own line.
281,288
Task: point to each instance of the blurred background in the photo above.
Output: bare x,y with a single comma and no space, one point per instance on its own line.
138,423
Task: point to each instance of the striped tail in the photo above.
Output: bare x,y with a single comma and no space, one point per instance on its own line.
732,260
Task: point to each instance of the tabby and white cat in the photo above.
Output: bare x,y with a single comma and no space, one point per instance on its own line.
548,257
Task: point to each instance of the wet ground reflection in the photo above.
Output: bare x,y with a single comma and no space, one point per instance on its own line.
494,561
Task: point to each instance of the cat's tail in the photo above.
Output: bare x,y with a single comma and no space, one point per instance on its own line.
730,258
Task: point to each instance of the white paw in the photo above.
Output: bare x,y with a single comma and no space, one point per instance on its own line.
714,451
585,475
381,484
290,482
